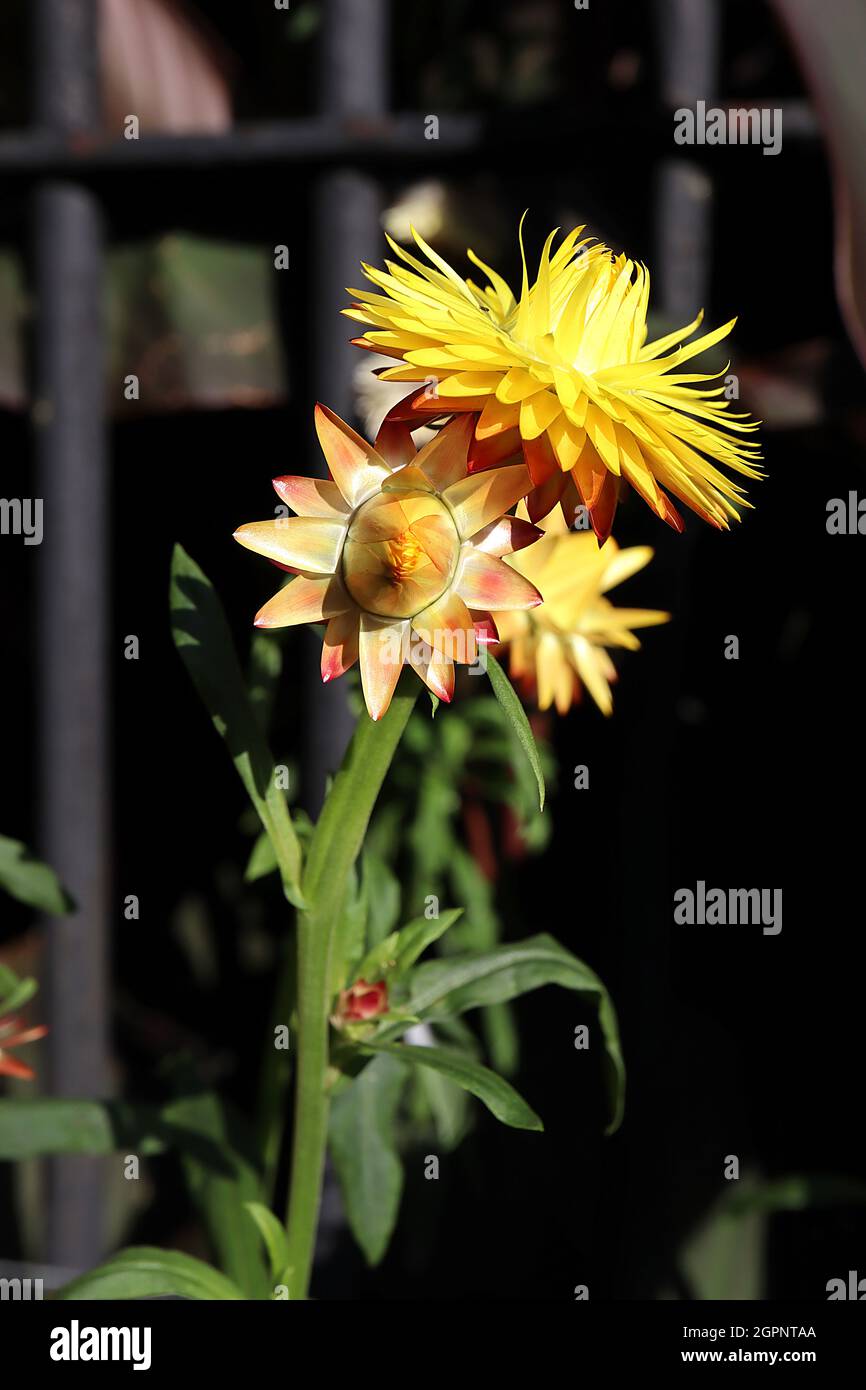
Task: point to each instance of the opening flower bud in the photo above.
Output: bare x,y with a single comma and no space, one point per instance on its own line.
400,553
360,1002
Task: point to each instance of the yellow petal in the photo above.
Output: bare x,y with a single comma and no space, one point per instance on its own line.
468,384
486,582
517,385
443,460
496,417
311,496
537,413
304,601
410,478
304,542
355,466
447,625
340,647
600,429
593,667
482,497
435,669
505,535
623,564
567,442
381,648
660,345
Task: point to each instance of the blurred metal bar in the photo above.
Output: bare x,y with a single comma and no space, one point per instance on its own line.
323,140
70,446
688,42
689,53
347,229
306,140
347,207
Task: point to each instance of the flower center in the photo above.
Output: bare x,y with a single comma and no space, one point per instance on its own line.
400,553
405,554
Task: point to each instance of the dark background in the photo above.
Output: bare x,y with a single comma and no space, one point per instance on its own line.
741,773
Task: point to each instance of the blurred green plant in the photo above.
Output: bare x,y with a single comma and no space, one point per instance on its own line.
724,1258
192,324
26,878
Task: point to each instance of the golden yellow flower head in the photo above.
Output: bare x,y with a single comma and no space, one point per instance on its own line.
561,646
565,374
398,552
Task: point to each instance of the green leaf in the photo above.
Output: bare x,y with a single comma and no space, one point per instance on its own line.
31,881
475,980
265,669
273,1233
202,637
221,1190
797,1192
500,1098
361,1139
350,933
446,1105
480,929
262,860
381,889
14,993
394,955
378,960
144,1271
417,935
32,1126
430,837
501,1038
504,692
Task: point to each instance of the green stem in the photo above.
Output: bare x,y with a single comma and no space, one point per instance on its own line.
335,846
276,1071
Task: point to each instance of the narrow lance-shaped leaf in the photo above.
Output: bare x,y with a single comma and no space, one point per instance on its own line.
222,1189
443,988
381,889
265,669
362,1144
500,1098
146,1272
273,1233
202,637
504,692
483,932
417,935
262,860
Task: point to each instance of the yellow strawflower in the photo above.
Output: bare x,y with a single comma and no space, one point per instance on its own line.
564,374
561,647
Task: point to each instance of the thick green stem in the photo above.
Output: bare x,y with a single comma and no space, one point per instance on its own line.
335,846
